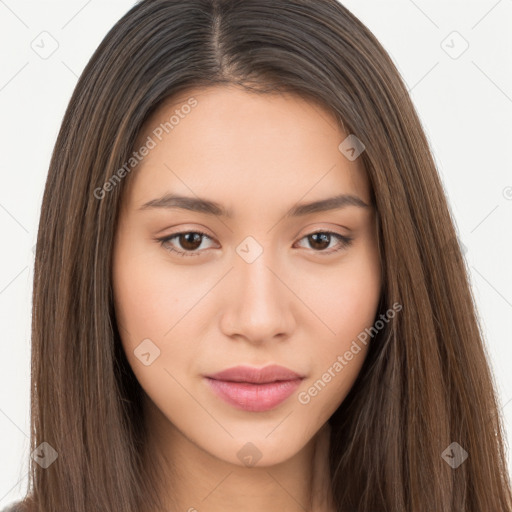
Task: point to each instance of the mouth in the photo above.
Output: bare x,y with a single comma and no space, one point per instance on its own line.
253,389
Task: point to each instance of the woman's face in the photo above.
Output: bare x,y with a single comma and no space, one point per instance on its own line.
259,288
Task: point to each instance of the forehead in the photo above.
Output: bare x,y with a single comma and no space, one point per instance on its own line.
227,143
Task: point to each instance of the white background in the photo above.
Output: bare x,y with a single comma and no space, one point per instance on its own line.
465,105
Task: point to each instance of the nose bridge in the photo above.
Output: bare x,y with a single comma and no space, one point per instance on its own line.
258,282
258,299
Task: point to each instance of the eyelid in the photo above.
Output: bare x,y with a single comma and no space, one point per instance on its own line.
326,227
187,228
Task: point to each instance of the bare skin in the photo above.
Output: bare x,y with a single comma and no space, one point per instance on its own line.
299,303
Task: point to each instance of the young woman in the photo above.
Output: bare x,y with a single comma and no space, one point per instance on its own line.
248,289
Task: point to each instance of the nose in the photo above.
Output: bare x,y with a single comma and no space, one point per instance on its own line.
258,305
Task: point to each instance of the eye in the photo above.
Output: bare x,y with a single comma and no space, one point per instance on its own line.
322,240
191,241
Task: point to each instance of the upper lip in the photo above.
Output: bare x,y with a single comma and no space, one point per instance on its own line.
271,373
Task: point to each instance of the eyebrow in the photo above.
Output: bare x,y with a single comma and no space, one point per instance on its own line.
208,207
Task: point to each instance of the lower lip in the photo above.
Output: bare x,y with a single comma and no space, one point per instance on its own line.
254,397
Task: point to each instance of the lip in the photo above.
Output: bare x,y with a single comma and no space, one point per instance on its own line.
254,389
270,373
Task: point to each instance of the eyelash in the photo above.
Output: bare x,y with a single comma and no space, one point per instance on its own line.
344,242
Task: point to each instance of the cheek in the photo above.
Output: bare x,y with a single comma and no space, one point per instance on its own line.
153,303
349,310
150,299
344,298
148,308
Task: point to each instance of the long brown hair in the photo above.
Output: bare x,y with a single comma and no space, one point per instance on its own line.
426,381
